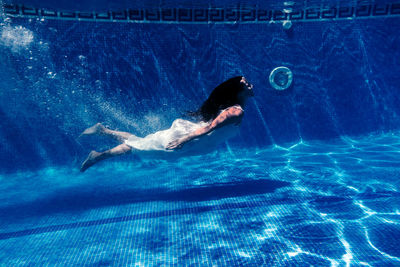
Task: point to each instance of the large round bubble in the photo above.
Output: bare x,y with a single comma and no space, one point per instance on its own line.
281,78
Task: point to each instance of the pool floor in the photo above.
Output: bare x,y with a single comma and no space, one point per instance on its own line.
322,203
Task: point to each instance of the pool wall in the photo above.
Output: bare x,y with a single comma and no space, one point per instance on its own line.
59,76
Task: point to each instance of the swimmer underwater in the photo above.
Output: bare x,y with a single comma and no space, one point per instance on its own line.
224,108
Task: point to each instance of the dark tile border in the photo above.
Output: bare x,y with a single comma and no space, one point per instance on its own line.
134,217
211,15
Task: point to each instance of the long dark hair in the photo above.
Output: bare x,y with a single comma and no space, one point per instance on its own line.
223,96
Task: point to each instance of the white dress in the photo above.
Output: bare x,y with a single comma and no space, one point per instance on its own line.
159,140
155,144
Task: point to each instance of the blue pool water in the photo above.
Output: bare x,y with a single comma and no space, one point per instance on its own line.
311,179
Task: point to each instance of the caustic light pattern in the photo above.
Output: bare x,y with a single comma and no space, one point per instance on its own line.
314,203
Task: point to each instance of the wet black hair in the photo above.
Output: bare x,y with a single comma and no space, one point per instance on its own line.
223,96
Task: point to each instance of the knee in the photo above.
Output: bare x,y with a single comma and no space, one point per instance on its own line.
126,148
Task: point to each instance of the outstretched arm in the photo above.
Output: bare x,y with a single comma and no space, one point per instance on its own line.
232,115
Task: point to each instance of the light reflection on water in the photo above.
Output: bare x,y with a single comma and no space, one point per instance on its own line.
311,203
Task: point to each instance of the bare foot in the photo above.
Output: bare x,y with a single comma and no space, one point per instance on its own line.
95,129
90,160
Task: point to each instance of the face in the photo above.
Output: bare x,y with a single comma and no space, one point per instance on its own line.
248,87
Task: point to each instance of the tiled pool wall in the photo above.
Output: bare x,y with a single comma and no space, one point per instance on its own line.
344,59
230,14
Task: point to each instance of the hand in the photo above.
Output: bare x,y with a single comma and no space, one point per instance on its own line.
176,144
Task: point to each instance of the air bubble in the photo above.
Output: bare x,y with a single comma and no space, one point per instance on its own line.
281,78
287,24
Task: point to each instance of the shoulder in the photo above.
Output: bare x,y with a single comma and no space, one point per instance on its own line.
235,110
230,115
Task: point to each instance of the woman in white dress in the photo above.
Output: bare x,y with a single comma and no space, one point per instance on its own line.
217,119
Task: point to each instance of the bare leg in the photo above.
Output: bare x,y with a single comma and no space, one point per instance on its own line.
98,128
95,156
